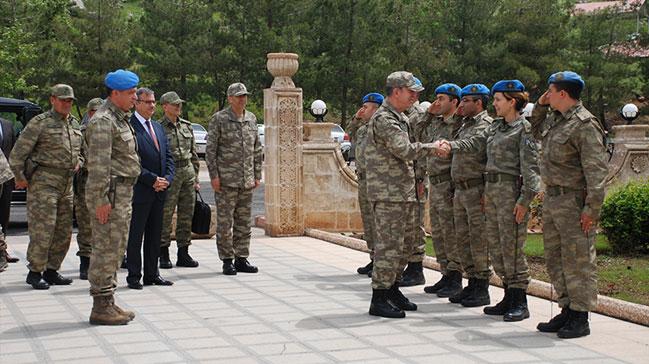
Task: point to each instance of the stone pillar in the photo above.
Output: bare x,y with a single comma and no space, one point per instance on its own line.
630,160
284,188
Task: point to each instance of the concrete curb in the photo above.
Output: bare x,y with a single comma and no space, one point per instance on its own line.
632,312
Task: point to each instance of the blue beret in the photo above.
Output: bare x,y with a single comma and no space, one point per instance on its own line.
449,89
374,97
508,86
475,89
566,76
121,80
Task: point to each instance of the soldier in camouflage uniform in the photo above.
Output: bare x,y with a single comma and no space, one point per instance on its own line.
466,172
573,168
447,98
391,189
181,193
113,167
44,159
234,157
5,175
84,236
358,134
512,181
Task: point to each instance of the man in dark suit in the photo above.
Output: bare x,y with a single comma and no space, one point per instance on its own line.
157,172
7,141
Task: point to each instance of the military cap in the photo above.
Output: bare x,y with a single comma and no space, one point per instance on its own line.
508,86
237,89
404,79
448,89
94,104
62,91
121,80
171,98
477,89
567,76
374,97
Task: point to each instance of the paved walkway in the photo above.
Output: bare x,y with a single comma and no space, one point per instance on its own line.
306,305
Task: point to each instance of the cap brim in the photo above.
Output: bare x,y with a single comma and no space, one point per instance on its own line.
66,97
241,93
416,88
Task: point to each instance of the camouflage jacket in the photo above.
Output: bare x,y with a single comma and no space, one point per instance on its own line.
5,171
233,151
112,151
441,128
510,150
48,140
361,143
467,165
181,141
418,118
352,128
572,152
389,156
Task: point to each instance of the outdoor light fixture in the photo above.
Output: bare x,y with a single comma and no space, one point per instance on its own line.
629,112
318,110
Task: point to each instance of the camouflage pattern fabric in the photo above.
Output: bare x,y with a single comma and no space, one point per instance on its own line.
369,230
233,209
5,175
573,168
181,195
84,235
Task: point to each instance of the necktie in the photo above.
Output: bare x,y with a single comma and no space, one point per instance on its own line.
152,134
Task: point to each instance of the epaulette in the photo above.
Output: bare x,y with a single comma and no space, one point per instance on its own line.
584,115
184,121
42,116
527,126
489,119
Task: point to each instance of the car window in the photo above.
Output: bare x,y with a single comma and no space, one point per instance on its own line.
198,127
337,129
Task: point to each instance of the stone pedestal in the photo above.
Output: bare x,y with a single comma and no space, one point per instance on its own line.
283,154
630,160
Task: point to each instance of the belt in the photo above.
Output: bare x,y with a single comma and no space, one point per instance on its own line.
183,163
125,180
500,177
468,184
434,180
560,190
63,172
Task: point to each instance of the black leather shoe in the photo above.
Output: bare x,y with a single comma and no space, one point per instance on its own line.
84,264
135,285
518,309
367,268
36,280
184,259
11,259
242,265
479,296
382,307
124,264
53,278
165,263
577,326
501,307
556,323
228,268
157,281
437,286
453,284
413,275
399,300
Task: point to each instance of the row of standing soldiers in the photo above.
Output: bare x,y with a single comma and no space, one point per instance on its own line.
480,176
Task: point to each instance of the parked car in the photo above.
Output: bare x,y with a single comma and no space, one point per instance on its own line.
200,139
339,136
260,132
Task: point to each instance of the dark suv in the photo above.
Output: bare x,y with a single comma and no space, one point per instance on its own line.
19,112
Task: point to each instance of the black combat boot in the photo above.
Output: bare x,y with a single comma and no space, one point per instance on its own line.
437,286
35,279
228,268
398,299
453,285
84,264
368,268
518,309
413,275
382,307
53,278
184,259
577,326
556,323
242,265
479,296
165,262
464,293
501,307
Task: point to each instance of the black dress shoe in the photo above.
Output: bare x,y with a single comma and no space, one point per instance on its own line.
36,281
157,281
242,265
135,285
11,259
165,263
55,279
228,268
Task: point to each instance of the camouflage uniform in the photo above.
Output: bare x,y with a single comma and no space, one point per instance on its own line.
5,175
573,168
358,133
181,192
113,167
511,159
52,144
466,171
234,155
391,189
84,235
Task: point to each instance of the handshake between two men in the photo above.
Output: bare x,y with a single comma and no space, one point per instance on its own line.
442,148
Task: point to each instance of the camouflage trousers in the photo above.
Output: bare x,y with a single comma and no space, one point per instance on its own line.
233,221
469,232
395,221
181,196
3,253
442,227
109,243
84,236
569,253
49,216
369,230
506,238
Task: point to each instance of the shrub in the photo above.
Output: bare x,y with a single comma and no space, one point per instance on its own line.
625,218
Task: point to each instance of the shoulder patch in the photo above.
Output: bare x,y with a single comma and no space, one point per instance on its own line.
42,116
489,119
584,115
527,126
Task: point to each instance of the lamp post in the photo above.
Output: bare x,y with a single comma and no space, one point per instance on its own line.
318,110
629,112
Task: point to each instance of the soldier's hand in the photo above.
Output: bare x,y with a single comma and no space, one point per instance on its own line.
519,212
586,223
216,184
543,100
103,213
21,185
257,183
197,186
76,169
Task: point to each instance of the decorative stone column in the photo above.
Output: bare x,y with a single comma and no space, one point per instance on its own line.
283,154
630,160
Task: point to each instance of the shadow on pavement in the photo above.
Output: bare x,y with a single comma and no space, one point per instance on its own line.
329,321
42,330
